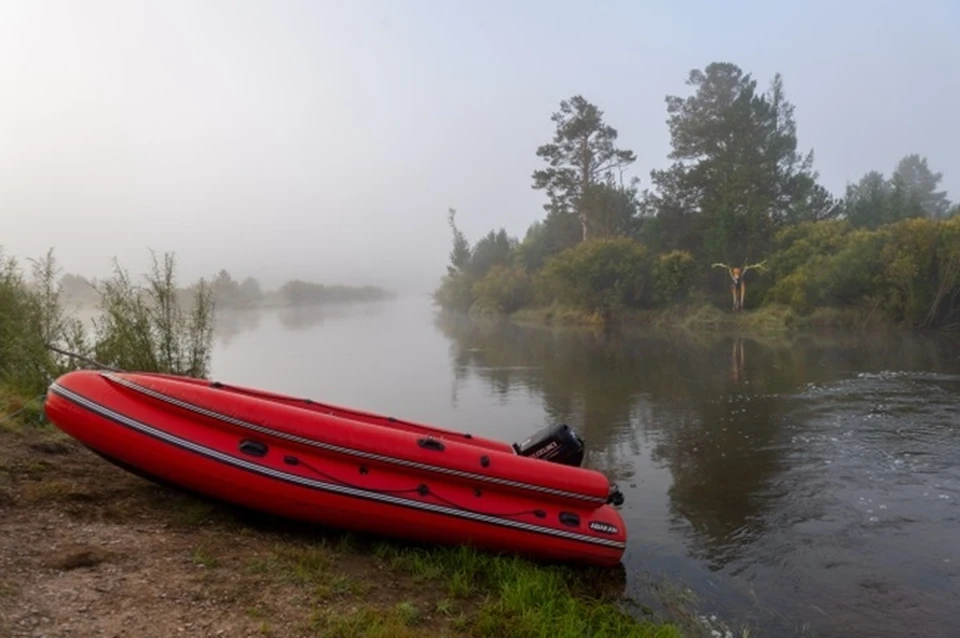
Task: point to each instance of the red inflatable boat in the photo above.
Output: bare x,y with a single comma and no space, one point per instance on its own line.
345,468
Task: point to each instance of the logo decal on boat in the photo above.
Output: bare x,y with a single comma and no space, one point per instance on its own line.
550,447
606,528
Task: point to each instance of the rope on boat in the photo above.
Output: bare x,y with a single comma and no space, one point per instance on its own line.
86,360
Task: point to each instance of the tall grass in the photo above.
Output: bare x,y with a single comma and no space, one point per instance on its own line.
522,598
149,326
32,317
152,327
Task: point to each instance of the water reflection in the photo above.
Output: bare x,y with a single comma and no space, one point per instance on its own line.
776,449
232,323
810,480
307,317
681,398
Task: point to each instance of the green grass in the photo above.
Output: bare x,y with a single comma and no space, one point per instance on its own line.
521,598
558,315
371,622
466,591
699,317
357,585
17,411
202,557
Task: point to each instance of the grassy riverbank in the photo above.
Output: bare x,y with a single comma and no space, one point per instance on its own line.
704,317
87,547
824,275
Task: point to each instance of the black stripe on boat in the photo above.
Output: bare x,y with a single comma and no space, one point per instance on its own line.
249,466
344,450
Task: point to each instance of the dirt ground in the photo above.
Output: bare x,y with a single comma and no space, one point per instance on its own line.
89,550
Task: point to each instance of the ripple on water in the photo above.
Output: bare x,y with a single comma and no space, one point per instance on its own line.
866,513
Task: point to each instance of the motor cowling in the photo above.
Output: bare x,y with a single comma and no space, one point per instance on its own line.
555,443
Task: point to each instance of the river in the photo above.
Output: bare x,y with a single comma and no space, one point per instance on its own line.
808,486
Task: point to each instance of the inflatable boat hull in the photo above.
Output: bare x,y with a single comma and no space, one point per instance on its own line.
340,467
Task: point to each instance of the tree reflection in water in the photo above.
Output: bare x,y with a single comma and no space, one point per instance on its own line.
713,409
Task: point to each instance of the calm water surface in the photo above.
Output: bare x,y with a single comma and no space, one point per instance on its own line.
807,487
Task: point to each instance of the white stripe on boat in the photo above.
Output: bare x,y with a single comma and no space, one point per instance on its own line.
321,485
345,450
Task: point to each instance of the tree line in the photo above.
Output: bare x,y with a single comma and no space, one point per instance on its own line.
230,293
738,191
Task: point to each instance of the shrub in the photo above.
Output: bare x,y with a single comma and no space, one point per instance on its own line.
600,275
31,318
146,328
908,272
797,245
672,275
455,292
503,290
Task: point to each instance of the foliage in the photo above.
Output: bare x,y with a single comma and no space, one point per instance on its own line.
76,289
503,290
602,275
229,293
460,253
467,273
737,174
297,292
145,327
909,193
611,210
672,275
557,232
455,292
31,318
141,327
494,249
738,190
582,155
915,186
908,271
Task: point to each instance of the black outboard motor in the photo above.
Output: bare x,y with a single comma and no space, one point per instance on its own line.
554,443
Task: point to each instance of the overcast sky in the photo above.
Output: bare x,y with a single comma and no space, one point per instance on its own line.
326,140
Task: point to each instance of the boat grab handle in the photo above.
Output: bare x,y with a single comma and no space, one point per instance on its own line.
431,444
253,448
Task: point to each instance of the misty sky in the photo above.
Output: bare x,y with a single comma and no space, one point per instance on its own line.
326,140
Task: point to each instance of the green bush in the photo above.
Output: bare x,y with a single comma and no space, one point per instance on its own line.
600,275
672,275
455,292
947,290
907,272
503,290
147,328
796,245
31,318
